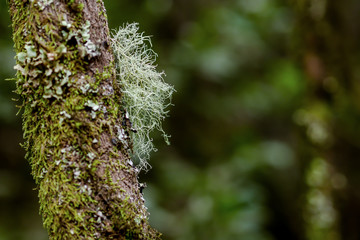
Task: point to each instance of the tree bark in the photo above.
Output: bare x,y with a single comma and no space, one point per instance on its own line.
72,115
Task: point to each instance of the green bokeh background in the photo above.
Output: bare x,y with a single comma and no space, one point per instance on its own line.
254,153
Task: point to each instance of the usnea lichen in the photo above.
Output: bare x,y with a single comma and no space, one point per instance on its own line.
145,94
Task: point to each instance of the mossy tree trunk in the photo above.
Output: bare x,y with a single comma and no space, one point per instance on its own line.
72,118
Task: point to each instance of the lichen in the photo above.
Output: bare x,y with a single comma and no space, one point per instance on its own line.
145,94
41,4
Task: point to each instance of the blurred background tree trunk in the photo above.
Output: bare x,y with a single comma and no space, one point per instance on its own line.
72,122
327,43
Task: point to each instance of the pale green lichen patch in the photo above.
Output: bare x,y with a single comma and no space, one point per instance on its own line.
41,4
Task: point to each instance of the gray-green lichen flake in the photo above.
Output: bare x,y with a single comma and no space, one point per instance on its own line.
92,105
30,50
41,4
25,57
21,57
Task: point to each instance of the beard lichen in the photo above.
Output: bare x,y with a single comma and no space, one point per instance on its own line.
145,94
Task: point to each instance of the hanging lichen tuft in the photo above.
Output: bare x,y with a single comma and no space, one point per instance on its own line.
145,94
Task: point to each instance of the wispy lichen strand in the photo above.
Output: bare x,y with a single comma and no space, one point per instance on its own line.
145,94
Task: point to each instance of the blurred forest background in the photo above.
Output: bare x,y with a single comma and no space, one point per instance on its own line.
265,124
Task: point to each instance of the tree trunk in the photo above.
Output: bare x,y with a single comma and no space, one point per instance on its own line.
72,117
327,44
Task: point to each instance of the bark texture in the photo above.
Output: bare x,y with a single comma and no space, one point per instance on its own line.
72,117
